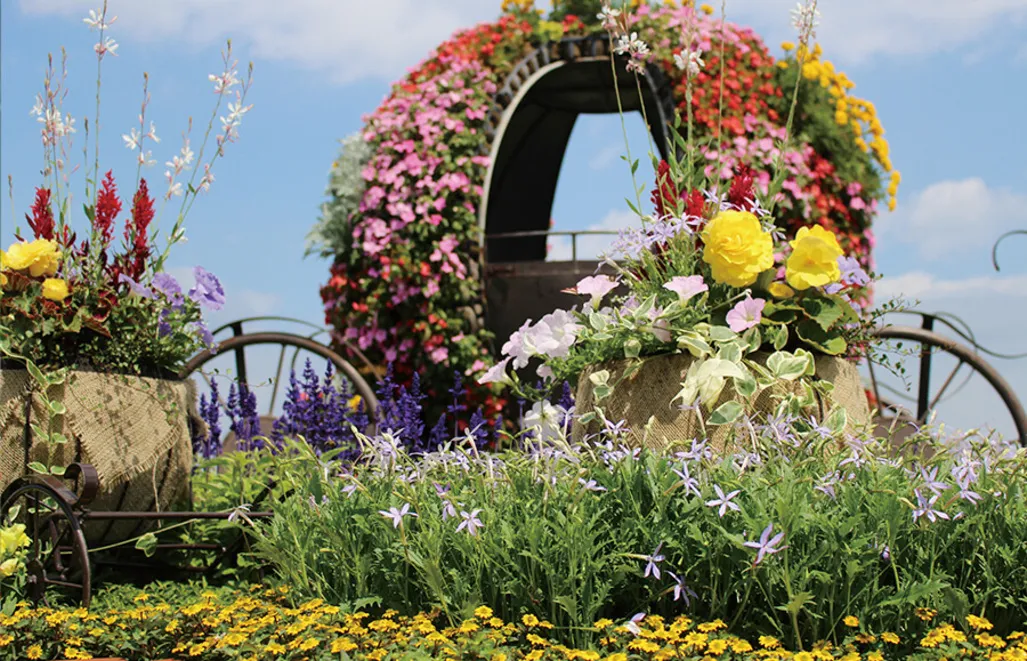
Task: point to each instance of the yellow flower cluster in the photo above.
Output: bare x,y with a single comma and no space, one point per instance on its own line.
37,258
262,625
858,113
12,542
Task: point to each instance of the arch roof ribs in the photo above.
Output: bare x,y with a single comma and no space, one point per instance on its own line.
533,143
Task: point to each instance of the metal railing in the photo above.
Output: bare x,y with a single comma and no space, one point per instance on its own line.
574,234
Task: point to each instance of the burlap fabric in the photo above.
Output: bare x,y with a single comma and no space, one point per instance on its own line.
649,393
133,430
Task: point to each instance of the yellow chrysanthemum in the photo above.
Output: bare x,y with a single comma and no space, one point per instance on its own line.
529,620
737,248
814,259
978,623
851,621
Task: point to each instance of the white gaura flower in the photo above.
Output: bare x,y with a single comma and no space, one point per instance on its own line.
108,45
132,139
690,61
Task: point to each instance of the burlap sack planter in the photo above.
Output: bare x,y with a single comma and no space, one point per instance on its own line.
650,392
134,430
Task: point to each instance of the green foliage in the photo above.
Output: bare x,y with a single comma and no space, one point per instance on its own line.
566,532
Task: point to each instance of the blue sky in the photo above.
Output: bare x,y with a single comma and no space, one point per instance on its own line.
949,79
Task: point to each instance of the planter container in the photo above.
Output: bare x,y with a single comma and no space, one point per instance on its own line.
649,393
134,430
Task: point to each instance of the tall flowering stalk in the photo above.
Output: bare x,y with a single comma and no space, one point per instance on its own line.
74,300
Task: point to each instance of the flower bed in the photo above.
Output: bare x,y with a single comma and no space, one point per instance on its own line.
402,225
262,623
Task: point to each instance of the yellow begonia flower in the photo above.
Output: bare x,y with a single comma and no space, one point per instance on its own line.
736,248
814,259
706,9
787,46
39,257
13,538
9,566
55,289
3,265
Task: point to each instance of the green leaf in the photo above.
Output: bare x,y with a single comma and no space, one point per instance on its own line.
38,468
57,407
40,433
824,311
837,420
695,344
722,334
726,413
811,333
57,470
632,348
746,386
147,544
787,366
36,374
597,321
798,601
730,351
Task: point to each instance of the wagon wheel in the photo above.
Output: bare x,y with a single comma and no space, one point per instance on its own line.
893,403
58,556
286,342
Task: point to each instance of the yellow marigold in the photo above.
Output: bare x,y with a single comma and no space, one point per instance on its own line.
875,656
640,645
537,640
603,623
978,623
717,647
534,655
851,621
483,612
769,642
619,656
814,259
741,646
987,640
56,289
529,620
787,46
39,257
926,614
6,640
309,644
34,652
737,248
715,625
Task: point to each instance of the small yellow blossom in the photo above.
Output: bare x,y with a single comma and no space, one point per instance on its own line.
926,614
978,623
769,642
343,645
706,9
483,612
34,652
780,290
529,620
851,621
787,46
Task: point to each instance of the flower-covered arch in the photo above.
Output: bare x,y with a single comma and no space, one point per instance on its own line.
407,195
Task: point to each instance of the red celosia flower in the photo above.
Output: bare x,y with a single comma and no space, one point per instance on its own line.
42,222
108,206
740,194
135,231
665,195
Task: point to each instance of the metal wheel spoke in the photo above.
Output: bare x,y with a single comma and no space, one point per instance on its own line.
944,386
274,384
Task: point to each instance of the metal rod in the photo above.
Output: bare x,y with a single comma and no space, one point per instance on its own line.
924,392
171,516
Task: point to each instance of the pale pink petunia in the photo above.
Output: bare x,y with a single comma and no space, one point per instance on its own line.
496,373
686,286
596,286
746,314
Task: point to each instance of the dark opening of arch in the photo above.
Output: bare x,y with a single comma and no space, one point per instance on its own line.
532,146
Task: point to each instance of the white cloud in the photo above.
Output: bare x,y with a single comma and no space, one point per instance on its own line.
929,288
257,303
346,40
605,157
853,32
590,247
939,219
